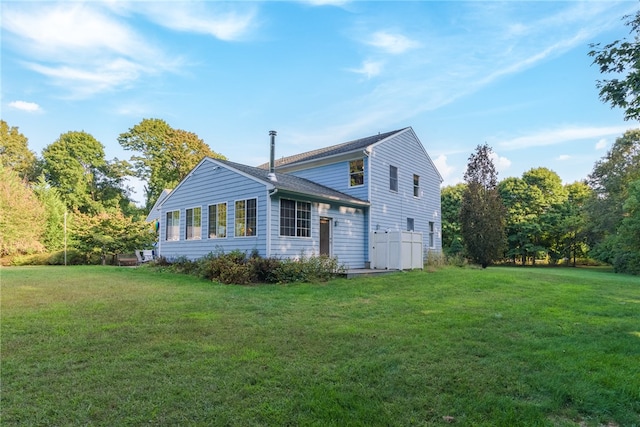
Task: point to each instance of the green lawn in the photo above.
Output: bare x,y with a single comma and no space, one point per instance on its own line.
497,347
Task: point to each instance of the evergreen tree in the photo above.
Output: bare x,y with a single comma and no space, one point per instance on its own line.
482,214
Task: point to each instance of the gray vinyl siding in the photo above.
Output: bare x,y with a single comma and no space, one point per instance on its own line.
347,244
336,176
389,209
208,185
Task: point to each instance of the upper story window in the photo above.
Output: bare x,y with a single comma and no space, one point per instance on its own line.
173,225
246,212
193,228
416,185
218,221
356,173
295,218
393,178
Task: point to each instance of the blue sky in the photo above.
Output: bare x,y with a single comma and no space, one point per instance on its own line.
513,74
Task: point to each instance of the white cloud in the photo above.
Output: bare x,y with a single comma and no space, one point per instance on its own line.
443,167
602,144
559,136
29,107
203,17
392,43
501,163
563,157
369,68
81,47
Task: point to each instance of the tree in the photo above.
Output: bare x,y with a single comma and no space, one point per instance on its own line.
110,233
572,227
451,200
167,155
15,153
53,235
21,216
611,183
482,214
75,164
621,58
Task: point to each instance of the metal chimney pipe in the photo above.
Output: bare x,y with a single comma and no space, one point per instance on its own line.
272,158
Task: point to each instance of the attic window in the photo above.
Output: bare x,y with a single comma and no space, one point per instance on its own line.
356,173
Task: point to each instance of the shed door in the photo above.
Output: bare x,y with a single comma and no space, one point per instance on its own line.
325,236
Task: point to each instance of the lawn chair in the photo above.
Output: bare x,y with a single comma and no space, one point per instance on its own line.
139,256
147,255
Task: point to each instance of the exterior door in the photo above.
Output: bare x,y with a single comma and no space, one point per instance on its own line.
325,236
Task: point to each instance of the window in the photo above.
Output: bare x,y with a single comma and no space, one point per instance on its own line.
356,173
410,224
173,225
246,218
295,218
416,185
432,242
218,221
194,224
393,178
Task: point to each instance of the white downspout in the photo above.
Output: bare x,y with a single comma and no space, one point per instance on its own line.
270,194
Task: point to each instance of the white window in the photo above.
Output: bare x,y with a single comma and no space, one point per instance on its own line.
218,221
193,228
432,241
393,178
295,218
246,218
356,173
416,185
173,225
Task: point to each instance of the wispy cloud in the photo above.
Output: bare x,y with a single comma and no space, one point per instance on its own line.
81,47
563,157
602,144
369,68
29,107
220,21
445,169
394,43
560,136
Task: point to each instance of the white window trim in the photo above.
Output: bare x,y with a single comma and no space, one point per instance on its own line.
397,179
166,237
186,222
226,222
349,173
235,236
296,219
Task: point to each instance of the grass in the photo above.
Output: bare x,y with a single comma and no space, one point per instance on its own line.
496,347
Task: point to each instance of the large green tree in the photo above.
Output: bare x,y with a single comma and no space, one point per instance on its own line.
166,155
15,152
75,164
482,214
21,216
451,200
621,60
611,181
55,210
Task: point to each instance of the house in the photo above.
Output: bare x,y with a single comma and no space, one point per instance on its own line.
326,201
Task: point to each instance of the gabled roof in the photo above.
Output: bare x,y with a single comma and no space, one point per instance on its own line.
293,184
345,147
154,213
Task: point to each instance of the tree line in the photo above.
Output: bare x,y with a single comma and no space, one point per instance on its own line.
72,195
536,217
